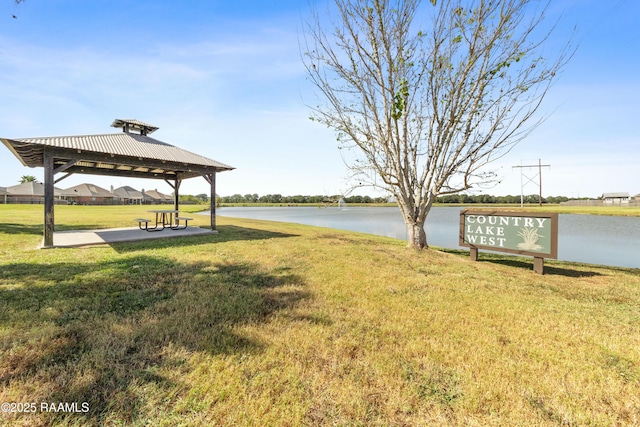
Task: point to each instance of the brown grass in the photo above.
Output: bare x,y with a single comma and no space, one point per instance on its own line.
281,324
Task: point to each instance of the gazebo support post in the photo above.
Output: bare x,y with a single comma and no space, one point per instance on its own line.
176,192
213,201
211,179
48,199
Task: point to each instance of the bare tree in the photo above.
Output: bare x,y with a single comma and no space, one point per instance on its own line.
427,103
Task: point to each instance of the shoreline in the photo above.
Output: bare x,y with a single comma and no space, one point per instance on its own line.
632,211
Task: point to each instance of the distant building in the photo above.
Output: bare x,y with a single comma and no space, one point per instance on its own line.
83,194
156,197
615,198
128,196
89,194
31,193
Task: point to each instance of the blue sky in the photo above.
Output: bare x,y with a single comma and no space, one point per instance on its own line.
225,80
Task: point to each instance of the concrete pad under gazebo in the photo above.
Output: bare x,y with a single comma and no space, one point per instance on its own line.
73,238
131,153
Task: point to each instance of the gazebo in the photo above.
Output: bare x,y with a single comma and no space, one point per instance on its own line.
131,153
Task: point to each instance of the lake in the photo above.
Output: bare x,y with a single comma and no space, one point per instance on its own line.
594,239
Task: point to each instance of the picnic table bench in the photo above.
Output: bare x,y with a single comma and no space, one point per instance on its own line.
177,225
165,218
145,222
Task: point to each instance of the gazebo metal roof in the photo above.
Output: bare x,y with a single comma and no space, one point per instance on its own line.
121,154
126,154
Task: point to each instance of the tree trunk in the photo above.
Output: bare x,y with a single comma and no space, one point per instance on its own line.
416,236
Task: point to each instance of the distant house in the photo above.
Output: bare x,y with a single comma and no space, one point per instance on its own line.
89,194
615,198
31,192
3,195
157,197
128,195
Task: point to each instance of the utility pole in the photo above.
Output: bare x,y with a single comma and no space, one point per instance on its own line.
530,179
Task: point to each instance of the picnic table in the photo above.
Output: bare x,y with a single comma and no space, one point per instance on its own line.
164,218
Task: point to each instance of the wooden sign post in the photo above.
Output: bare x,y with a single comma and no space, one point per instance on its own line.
523,233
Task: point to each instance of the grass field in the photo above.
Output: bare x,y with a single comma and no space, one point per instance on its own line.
272,324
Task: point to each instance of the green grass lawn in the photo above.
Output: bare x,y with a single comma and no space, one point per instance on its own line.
288,325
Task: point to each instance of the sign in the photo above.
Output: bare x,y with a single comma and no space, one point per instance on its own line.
523,233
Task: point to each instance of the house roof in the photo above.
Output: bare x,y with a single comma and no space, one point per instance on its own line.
88,190
3,191
614,195
120,154
127,192
32,188
156,195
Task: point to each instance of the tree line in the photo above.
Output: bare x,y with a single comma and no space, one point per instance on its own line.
320,199
298,199
488,199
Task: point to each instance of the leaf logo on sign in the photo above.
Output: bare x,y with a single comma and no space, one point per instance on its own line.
529,236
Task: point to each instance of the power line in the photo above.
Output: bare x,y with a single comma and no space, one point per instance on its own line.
530,179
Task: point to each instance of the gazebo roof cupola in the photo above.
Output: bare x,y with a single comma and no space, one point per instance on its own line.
129,125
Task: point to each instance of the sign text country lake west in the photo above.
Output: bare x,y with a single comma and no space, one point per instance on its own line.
524,233
490,230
